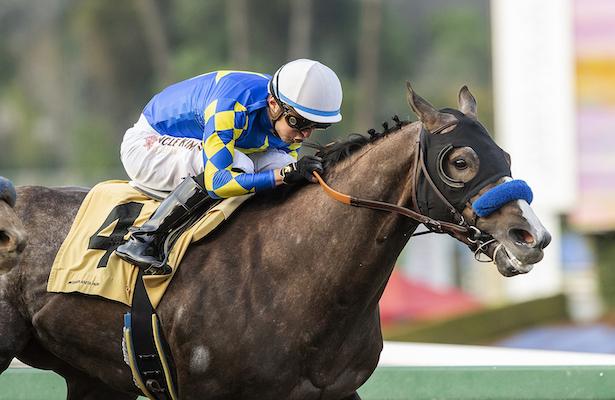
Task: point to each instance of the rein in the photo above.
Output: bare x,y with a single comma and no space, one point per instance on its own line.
430,223
478,241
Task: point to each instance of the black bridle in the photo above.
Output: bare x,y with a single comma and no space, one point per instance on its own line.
478,241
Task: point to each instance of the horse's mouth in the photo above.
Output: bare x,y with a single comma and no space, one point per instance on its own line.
508,265
516,250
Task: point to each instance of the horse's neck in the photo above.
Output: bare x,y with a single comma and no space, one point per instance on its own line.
381,170
372,240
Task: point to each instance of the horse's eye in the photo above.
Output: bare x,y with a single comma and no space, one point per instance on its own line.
460,163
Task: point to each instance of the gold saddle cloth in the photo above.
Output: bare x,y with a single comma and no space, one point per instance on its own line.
86,262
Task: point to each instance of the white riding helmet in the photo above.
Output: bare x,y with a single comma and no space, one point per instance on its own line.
312,89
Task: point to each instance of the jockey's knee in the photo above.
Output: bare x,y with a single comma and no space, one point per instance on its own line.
243,163
158,162
271,159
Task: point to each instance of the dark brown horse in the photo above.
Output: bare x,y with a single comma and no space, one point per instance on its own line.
280,303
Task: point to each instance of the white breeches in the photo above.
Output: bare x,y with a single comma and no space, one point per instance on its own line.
160,162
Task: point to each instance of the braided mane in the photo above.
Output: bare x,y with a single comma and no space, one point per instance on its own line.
339,150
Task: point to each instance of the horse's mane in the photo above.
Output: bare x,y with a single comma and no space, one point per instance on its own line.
339,150
333,153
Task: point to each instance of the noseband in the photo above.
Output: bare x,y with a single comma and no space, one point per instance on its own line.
478,241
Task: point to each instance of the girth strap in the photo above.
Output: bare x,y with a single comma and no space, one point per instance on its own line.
148,353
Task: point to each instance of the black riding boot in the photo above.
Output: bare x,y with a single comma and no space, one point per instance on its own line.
145,246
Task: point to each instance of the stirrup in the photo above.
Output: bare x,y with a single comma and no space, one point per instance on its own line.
158,269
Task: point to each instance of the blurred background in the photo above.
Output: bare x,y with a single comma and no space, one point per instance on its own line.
75,74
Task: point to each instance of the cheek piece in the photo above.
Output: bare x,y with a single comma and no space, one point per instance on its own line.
495,198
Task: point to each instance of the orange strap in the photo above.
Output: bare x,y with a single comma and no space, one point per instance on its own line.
344,198
432,224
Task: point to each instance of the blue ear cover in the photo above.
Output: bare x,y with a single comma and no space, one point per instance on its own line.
506,192
7,192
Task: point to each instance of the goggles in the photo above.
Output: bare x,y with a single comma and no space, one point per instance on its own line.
299,123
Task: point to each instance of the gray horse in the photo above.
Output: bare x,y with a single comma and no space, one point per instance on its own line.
12,232
280,303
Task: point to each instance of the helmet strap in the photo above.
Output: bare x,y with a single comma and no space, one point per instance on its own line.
275,117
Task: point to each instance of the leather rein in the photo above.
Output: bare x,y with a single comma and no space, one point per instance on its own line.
478,241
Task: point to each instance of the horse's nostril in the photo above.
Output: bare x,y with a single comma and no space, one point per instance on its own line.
11,242
522,236
5,239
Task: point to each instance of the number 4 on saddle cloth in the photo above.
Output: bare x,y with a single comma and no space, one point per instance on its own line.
86,263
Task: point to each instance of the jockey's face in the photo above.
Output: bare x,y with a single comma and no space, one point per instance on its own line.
287,133
291,135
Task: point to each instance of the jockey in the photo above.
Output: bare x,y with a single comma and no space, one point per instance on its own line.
224,134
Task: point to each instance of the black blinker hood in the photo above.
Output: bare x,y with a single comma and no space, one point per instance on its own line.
467,133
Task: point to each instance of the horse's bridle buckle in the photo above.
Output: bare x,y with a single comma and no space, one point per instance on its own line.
474,235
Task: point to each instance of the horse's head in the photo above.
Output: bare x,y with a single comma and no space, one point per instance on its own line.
465,178
12,232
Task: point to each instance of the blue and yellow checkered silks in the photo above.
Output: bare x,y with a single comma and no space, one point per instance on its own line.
228,111
227,120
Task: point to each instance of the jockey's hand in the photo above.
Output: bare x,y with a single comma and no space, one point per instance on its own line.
301,171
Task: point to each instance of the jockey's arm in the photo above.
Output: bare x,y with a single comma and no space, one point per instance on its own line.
226,125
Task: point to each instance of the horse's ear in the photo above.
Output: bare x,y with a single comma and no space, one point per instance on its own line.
467,102
428,114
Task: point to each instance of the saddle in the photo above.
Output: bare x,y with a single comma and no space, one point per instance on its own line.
86,263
